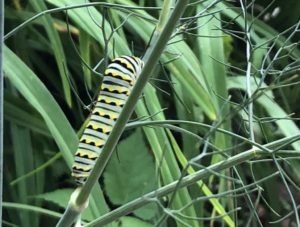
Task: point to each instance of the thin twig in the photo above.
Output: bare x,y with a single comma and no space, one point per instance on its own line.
185,181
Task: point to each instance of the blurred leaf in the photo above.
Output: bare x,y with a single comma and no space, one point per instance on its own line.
29,85
23,155
56,47
84,46
131,173
163,152
132,222
24,116
61,198
40,98
239,82
147,212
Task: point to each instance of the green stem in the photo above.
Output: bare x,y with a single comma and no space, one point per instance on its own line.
165,123
184,182
1,101
164,14
71,212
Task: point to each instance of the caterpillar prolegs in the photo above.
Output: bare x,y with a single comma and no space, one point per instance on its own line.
119,79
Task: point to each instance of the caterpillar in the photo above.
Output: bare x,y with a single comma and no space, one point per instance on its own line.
119,79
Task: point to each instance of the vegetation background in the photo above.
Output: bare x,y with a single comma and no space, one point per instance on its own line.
223,102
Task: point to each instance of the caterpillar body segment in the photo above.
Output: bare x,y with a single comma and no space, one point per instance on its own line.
119,79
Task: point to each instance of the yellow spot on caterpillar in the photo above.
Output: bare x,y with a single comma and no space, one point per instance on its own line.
89,154
117,73
113,88
96,125
92,139
83,167
112,115
110,100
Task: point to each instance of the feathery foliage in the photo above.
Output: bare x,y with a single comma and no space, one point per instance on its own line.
214,137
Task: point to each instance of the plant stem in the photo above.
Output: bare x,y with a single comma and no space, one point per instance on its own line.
71,212
164,14
185,181
248,73
1,102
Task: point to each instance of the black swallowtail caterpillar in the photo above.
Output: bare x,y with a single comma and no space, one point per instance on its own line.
119,79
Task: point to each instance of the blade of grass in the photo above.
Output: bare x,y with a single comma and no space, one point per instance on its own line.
25,207
24,117
36,170
188,112
23,159
117,22
84,46
212,55
64,7
37,94
39,97
56,46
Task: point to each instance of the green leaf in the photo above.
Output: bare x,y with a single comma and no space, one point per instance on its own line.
131,173
61,198
56,47
29,85
147,212
24,116
23,155
35,92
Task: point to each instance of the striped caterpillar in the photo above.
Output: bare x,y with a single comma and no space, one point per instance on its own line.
119,79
